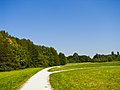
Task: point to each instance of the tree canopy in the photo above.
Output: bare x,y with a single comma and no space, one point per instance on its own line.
75,58
18,53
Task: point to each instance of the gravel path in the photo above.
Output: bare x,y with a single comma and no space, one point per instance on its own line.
40,81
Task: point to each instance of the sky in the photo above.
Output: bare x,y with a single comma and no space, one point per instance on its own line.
83,26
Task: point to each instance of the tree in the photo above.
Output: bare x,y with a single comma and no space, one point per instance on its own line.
62,58
110,58
70,59
18,53
118,53
43,60
76,57
84,58
112,53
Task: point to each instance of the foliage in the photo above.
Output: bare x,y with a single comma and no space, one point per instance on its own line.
63,59
18,53
75,58
106,58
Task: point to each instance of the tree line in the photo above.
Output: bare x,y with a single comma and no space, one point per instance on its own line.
18,53
75,58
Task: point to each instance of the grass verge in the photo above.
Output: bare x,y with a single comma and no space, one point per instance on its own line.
13,80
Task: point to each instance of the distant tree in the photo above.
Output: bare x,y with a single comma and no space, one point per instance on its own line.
54,57
112,53
70,59
84,58
118,53
96,57
110,58
62,58
76,57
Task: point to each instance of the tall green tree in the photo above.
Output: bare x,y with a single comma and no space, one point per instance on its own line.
76,57
63,59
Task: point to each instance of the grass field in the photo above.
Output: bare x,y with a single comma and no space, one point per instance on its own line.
85,65
102,77
13,80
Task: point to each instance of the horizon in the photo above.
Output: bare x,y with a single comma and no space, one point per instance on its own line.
86,27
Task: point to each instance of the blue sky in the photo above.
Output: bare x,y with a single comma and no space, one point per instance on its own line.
82,26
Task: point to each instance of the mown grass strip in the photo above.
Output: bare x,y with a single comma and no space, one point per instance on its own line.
13,80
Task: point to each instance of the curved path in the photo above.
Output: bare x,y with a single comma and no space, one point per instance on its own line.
40,81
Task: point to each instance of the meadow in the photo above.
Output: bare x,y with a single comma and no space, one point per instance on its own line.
85,65
93,76
13,80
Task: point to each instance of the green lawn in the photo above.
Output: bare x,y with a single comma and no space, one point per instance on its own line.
13,80
98,78
85,65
